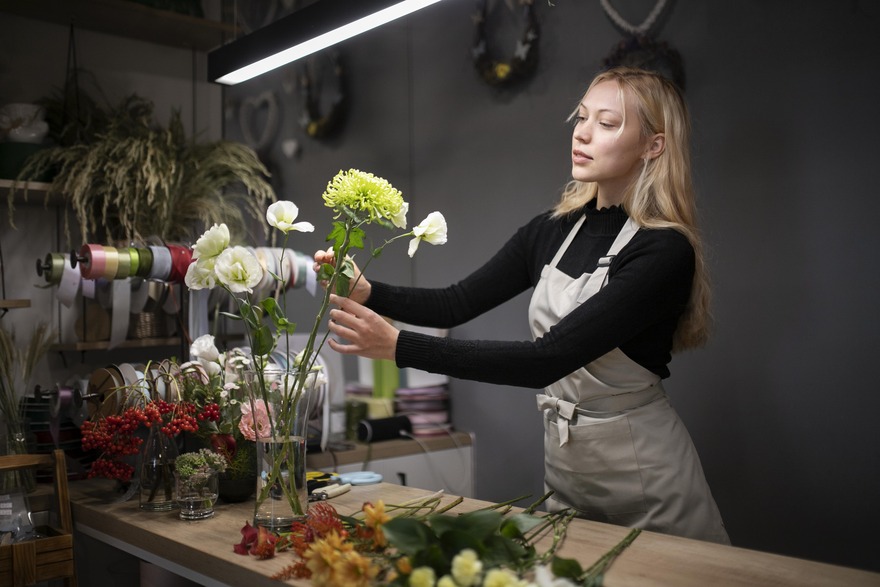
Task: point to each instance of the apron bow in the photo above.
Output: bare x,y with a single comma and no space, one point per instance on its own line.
565,411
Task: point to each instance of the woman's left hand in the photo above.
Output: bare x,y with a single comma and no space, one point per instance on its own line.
367,333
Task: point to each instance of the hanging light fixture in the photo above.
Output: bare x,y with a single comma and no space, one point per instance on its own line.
301,33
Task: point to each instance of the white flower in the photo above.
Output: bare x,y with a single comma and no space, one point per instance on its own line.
204,348
544,578
212,243
399,219
238,269
422,577
432,229
200,275
446,581
502,578
467,568
212,367
282,214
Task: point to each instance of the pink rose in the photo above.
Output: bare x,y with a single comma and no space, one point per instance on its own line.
255,421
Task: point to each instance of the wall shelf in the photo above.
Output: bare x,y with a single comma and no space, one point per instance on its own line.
36,192
127,19
10,304
102,345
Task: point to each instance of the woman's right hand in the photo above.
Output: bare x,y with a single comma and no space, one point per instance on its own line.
362,287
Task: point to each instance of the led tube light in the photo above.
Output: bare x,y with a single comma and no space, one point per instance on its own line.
302,33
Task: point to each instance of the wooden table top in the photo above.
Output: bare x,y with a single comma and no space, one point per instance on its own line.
205,547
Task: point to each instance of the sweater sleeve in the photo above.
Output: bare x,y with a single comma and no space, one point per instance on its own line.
507,274
648,288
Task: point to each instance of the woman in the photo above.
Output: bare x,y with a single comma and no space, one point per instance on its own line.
619,283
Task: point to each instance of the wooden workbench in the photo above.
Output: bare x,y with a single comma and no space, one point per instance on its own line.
202,550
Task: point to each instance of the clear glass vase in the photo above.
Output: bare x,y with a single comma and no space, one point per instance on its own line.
197,494
156,472
278,406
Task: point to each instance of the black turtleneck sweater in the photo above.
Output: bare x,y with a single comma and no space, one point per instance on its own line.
648,287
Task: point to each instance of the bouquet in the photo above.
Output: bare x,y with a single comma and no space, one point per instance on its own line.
279,382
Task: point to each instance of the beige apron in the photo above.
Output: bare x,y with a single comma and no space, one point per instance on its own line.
614,448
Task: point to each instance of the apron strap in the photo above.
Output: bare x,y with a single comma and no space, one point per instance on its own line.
599,277
604,406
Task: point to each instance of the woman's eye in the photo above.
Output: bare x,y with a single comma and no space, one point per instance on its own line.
578,119
604,124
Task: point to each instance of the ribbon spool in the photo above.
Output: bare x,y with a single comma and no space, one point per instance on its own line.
60,403
106,390
181,257
51,268
145,262
160,268
91,260
111,263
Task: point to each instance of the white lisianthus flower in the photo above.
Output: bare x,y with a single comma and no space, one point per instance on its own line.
432,230
200,274
282,214
447,581
544,578
467,568
399,219
212,367
238,269
212,243
204,348
422,577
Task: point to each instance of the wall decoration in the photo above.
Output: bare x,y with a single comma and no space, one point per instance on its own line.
525,58
316,74
258,120
640,48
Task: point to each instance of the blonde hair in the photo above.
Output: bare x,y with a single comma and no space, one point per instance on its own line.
663,195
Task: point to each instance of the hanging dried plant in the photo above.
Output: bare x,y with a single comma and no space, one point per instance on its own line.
136,179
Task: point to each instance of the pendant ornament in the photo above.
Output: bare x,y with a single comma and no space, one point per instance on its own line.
525,56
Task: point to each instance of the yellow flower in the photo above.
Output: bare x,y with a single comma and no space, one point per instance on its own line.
354,570
323,555
375,517
502,578
404,565
366,194
422,577
467,568
447,581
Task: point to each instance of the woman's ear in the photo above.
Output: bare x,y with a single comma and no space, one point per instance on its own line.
656,146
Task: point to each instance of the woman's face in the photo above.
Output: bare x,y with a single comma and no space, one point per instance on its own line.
604,150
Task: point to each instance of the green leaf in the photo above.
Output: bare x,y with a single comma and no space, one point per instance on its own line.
566,567
263,341
408,536
517,525
356,238
276,314
229,315
326,272
337,235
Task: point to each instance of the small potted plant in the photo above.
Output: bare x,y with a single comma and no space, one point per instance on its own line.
196,474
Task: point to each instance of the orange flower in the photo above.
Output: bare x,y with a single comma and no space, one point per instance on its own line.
375,516
354,570
322,556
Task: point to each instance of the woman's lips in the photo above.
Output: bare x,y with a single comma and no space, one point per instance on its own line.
579,157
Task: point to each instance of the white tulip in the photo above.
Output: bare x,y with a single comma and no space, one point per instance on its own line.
200,274
212,243
238,269
432,230
282,214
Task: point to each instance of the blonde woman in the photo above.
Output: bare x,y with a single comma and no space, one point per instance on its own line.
618,282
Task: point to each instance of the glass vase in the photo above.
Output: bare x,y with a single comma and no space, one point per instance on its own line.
279,402
156,471
197,494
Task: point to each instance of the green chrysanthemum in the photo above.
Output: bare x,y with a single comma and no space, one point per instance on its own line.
366,195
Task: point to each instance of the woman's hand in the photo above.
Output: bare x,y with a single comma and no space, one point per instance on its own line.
362,287
367,333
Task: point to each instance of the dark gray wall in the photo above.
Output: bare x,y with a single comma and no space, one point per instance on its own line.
781,402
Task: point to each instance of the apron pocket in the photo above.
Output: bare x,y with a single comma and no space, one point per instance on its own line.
597,471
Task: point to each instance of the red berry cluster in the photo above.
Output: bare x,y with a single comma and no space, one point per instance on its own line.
210,412
115,437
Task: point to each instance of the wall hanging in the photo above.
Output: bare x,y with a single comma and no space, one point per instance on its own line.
525,56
